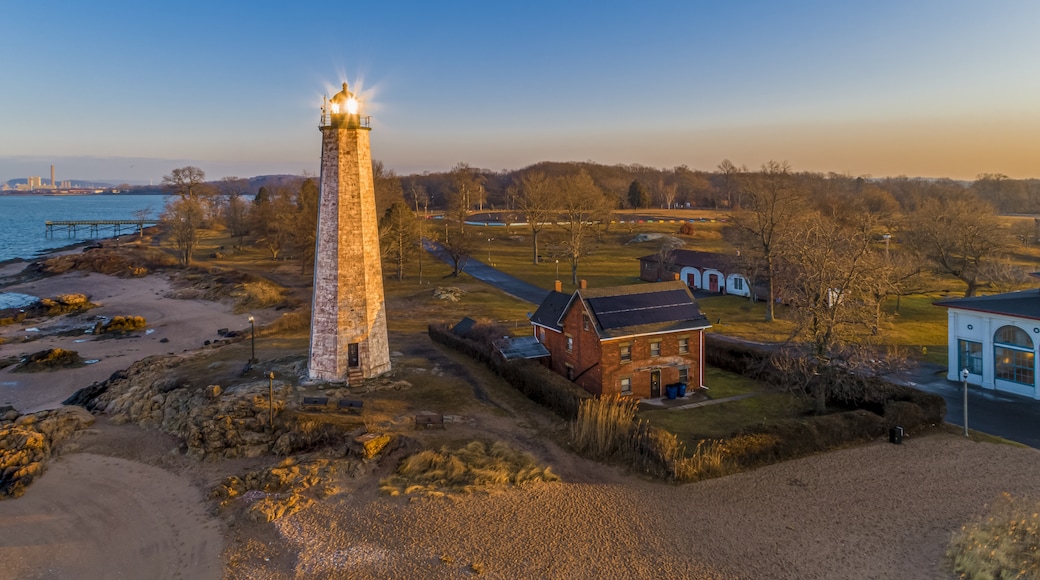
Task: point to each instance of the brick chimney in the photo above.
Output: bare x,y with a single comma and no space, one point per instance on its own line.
583,284
559,286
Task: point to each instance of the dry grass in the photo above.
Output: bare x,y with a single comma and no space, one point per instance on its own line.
257,295
474,467
1004,544
604,426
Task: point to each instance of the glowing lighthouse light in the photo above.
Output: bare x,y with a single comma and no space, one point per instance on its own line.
352,106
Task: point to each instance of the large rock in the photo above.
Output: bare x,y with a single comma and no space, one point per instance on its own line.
27,441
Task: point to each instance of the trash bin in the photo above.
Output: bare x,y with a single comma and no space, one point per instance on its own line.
682,390
895,435
672,390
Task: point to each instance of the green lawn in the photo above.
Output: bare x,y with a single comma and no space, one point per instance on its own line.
722,420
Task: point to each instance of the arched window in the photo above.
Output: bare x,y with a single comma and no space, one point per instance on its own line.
1013,355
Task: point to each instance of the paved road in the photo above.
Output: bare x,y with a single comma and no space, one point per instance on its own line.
481,271
1009,416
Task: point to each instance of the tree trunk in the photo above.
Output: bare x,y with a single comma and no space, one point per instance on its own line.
534,245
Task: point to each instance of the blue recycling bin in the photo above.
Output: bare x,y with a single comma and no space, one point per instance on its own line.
682,390
672,391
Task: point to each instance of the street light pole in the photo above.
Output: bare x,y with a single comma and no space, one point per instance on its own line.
557,268
964,381
252,341
886,237
489,251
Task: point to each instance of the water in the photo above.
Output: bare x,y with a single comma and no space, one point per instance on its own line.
22,217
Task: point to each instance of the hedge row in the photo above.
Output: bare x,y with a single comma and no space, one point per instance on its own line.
530,378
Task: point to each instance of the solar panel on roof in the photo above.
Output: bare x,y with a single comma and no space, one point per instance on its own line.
651,308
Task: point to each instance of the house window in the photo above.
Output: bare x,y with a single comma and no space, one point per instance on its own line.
541,333
738,283
1013,355
570,343
626,385
570,372
970,356
655,348
626,353
684,374
684,345
585,322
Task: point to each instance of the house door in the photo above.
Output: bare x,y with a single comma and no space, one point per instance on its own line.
655,384
713,283
352,355
690,280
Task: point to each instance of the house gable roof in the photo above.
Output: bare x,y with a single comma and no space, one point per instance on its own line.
640,309
550,311
694,259
1023,304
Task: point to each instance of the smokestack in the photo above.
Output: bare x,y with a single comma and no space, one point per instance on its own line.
583,284
559,286
53,185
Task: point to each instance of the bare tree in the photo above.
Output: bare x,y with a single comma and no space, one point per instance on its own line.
765,227
184,218
185,181
459,245
583,206
274,217
729,176
304,235
959,234
537,199
827,280
398,236
1003,276
467,190
387,187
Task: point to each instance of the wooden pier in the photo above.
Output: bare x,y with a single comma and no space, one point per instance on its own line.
95,227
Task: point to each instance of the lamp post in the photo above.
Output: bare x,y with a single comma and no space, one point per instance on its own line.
252,341
886,237
557,268
489,251
964,381
270,398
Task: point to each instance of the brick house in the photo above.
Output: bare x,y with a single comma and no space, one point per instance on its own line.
626,340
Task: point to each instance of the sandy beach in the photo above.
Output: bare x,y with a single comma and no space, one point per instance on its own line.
185,324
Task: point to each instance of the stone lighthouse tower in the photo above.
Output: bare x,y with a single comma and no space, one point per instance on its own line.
348,318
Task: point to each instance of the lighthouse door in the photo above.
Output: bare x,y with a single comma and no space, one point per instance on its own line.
352,355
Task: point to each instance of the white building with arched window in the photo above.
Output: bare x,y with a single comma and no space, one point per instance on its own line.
996,338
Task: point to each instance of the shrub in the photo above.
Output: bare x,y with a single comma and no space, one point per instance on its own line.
1004,544
686,229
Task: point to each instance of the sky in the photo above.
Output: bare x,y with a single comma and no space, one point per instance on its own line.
129,90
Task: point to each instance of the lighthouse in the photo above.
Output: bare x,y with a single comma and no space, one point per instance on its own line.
348,314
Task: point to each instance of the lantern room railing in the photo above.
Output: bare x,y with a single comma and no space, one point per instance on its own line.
355,121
